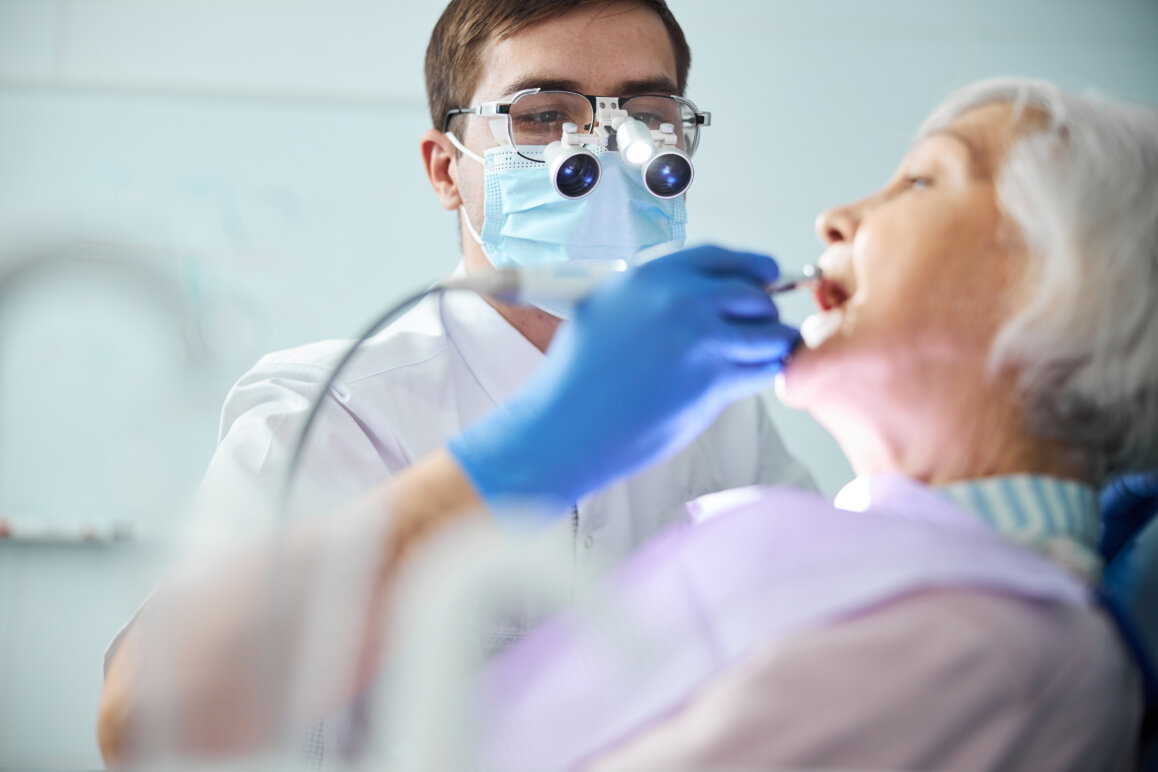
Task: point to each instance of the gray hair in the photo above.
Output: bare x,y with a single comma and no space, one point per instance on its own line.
1081,185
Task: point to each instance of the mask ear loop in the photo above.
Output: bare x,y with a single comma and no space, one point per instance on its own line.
469,228
461,209
464,149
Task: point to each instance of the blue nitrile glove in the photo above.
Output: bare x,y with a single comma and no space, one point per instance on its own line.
648,362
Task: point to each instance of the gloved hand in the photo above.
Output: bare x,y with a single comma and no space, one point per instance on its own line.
648,362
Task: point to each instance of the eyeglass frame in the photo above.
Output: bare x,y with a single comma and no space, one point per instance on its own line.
503,107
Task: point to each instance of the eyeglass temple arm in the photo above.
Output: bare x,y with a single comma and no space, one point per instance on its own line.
487,108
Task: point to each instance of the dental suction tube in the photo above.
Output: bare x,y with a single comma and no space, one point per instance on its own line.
562,282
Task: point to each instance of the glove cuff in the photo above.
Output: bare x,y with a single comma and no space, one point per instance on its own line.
514,476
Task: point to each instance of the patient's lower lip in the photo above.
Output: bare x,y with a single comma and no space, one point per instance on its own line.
820,326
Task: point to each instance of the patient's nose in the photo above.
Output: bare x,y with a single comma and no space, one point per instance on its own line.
836,225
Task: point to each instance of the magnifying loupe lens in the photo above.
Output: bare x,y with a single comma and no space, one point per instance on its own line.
668,174
576,175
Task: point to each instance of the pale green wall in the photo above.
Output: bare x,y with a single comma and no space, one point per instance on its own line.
268,149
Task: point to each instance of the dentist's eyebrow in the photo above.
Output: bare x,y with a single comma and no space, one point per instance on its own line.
658,85
547,84
649,86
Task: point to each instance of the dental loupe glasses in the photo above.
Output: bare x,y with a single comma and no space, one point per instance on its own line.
575,170
655,133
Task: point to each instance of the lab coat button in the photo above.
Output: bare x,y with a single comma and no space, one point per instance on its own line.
588,541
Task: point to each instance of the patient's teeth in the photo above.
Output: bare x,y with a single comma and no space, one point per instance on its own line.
820,326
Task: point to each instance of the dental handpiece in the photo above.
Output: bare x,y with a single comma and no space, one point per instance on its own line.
557,283
571,282
808,276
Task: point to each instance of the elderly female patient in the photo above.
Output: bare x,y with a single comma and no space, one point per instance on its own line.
985,351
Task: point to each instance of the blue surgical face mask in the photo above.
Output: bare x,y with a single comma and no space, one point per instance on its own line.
525,222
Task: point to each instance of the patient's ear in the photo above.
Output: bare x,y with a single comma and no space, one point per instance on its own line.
440,159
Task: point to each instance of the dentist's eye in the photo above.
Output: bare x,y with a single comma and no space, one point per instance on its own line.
917,183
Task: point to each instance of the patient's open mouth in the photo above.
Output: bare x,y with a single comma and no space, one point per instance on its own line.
829,294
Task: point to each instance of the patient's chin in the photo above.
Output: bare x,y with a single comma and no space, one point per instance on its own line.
794,384
819,374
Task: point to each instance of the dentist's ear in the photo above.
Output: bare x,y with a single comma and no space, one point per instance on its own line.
440,160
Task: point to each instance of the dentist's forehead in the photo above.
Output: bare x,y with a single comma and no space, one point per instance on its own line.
657,85
593,49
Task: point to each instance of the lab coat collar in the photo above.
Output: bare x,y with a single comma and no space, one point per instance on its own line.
497,354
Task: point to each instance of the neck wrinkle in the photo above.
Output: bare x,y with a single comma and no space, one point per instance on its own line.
534,324
980,434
